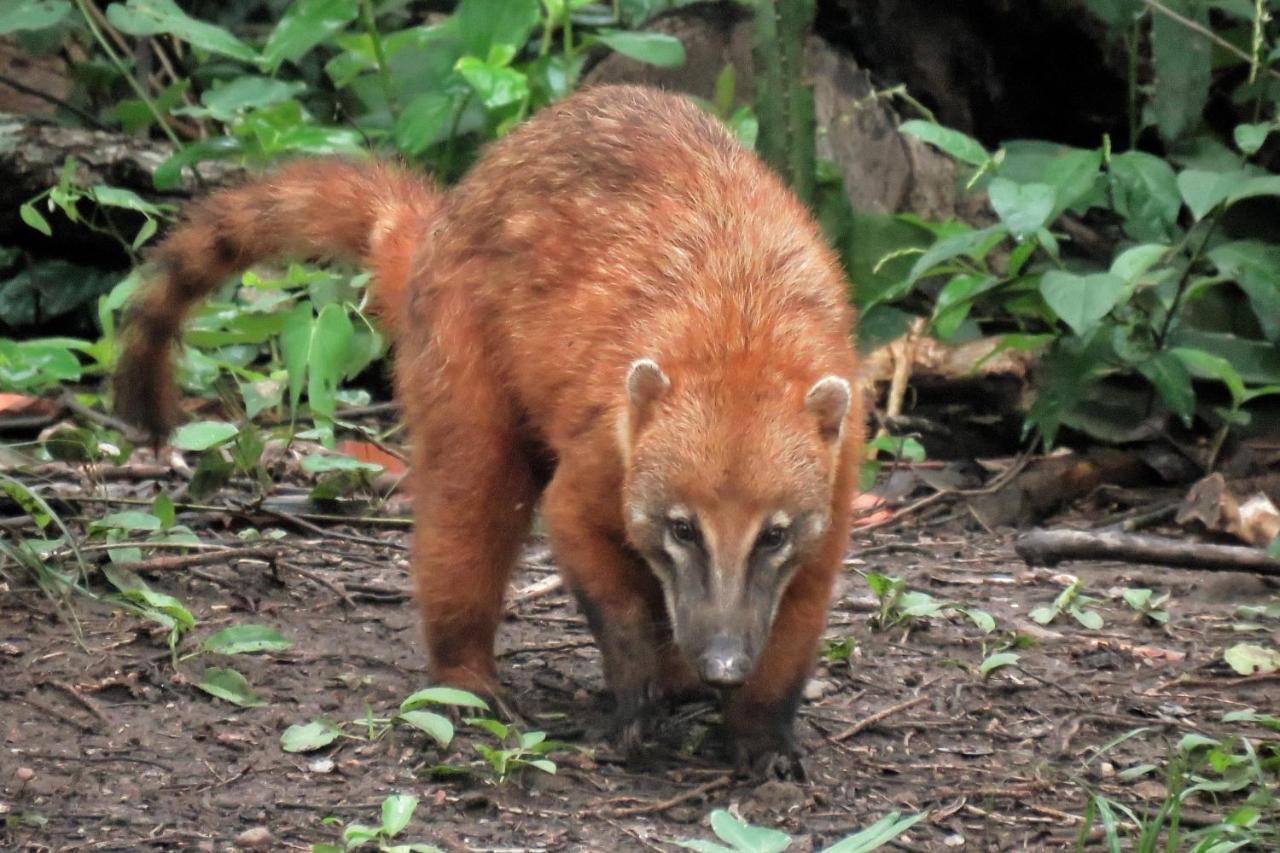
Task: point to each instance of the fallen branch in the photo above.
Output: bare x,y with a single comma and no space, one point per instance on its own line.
1050,547
883,714
203,558
671,802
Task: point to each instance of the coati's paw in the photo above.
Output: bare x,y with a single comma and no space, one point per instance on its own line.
634,710
768,757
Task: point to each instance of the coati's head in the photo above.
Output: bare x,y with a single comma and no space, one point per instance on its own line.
728,491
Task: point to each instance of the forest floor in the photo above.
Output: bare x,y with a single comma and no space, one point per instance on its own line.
107,744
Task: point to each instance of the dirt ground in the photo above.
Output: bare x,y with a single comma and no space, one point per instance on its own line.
105,745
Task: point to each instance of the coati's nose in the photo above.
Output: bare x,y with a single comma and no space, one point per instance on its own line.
724,663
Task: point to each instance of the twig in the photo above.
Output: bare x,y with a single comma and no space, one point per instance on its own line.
323,581
671,802
204,558
538,589
1201,29
883,714
1050,547
332,534
19,86
91,705
68,401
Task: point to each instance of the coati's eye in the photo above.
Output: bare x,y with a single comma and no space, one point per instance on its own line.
772,538
684,531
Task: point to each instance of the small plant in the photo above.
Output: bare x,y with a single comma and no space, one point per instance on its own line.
319,733
741,837
397,811
900,605
839,651
1074,603
895,447
516,750
1147,604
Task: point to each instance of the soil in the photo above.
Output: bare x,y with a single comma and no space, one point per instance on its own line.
106,744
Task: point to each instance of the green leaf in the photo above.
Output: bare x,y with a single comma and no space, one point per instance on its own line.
202,435
546,765
1250,137
665,51
168,175
1172,381
877,835
327,358
443,696
109,196
954,246
305,24
1133,263
1250,659
984,620
245,639
307,737
1025,208
996,661
153,17
1181,58
1088,618
162,507
226,683
1203,365
1145,192
31,15
1255,266
397,810
964,148
747,838
322,463
1203,190
129,520
33,218
424,121
484,24
436,726
295,346
1081,301
496,86
247,92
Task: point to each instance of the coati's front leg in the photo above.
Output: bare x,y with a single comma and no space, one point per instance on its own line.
760,715
618,594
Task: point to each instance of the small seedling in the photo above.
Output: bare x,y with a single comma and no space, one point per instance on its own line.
1147,604
516,750
319,733
997,660
896,447
741,837
900,605
1252,659
839,651
397,810
1073,602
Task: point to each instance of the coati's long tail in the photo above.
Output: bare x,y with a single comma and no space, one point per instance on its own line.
370,212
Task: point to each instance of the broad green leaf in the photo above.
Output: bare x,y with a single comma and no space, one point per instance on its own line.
877,835
321,463
109,196
1255,266
496,86
327,358
1181,59
1250,659
32,14
964,148
305,24
747,838
665,51
1145,191
295,346
397,810
1203,190
247,92
168,175
202,435
1133,263
984,620
306,737
1025,208
1081,300
546,765
28,213
443,696
226,683
153,17
1172,381
1116,14
1090,619
997,660
436,726
1250,137
162,507
245,639
129,520
484,24
424,121
954,246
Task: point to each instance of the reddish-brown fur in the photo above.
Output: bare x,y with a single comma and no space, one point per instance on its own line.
619,224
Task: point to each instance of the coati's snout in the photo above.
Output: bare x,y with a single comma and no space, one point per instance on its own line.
727,505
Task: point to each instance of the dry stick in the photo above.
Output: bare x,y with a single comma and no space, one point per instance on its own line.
323,581
204,558
91,705
1050,547
68,401
884,713
295,519
671,802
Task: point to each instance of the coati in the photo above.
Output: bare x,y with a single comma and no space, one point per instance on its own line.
618,310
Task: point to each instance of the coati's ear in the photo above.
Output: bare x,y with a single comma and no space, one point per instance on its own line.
646,383
828,401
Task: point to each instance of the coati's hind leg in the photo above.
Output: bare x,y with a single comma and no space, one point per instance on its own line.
474,493
615,590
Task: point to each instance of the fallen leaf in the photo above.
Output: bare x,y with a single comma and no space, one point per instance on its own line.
367,452
24,404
